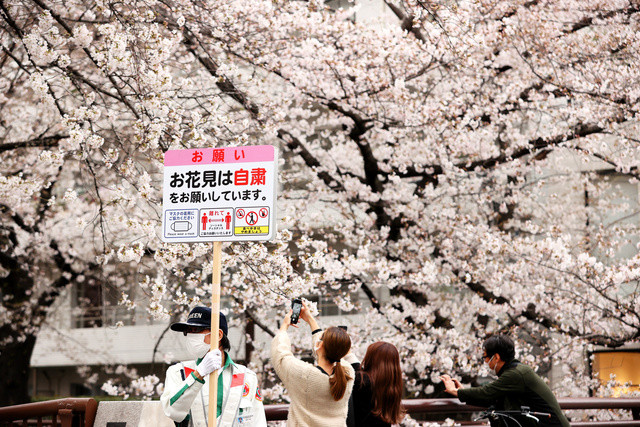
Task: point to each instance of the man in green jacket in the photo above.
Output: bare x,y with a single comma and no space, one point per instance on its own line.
517,385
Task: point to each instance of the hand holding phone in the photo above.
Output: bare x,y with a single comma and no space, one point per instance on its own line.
296,306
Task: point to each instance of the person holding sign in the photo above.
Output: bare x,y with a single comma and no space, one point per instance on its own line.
186,398
319,394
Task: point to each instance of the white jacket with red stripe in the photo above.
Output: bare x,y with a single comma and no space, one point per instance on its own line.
187,397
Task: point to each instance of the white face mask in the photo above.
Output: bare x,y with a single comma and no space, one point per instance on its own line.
196,346
314,352
494,370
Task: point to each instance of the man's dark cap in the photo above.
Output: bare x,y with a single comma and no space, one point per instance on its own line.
200,317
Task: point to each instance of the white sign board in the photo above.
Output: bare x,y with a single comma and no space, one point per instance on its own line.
220,194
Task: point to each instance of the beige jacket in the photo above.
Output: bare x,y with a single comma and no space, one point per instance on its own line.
308,388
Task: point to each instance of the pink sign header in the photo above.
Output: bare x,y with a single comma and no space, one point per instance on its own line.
226,155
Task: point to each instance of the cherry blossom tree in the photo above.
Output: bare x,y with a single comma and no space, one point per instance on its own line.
458,165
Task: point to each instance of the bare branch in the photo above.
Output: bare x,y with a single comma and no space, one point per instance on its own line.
41,142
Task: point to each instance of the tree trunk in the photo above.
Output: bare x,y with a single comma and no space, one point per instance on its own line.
16,344
250,331
14,359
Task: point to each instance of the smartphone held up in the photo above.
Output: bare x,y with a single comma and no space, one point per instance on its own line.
296,307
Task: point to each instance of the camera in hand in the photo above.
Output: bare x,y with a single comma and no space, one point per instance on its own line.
296,306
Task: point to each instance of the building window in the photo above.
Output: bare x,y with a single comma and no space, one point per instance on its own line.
328,307
621,365
94,305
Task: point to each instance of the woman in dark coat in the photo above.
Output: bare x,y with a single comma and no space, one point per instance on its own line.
377,389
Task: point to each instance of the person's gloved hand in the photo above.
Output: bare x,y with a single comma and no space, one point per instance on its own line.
211,361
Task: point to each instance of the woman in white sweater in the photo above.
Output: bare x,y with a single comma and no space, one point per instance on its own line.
319,394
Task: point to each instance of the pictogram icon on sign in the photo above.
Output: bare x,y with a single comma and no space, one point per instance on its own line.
255,222
240,213
181,223
180,226
252,218
227,221
204,220
216,222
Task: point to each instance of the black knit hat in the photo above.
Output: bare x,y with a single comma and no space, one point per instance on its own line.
200,317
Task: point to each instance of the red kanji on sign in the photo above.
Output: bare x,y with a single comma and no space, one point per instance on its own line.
258,176
241,177
218,156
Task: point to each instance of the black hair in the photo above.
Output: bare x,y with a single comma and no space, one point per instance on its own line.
502,345
224,342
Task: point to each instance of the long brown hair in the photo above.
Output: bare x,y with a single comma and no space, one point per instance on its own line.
382,364
336,343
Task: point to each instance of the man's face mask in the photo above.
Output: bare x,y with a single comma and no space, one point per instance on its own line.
494,370
196,346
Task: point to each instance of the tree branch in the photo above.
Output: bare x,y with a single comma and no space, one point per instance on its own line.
223,83
87,52
254,318
41,142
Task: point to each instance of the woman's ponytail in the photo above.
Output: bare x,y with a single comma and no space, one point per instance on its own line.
337,344
338,382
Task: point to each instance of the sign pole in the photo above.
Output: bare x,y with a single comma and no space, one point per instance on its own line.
215,327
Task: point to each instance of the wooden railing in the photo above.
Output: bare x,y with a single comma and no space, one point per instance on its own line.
82,412
63,412
454,406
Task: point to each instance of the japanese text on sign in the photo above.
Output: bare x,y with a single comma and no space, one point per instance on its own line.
214,194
